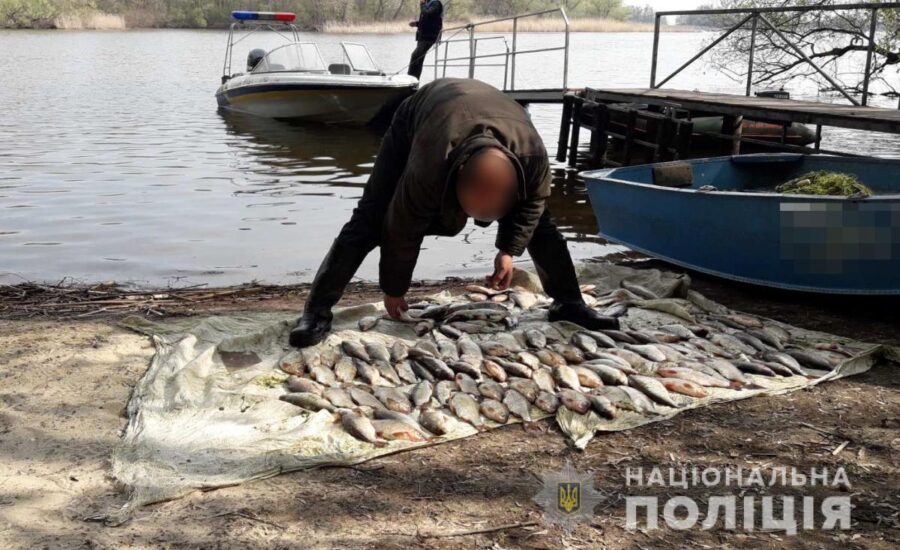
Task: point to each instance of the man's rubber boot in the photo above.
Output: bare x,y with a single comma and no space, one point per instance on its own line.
311,329
582,315
331,279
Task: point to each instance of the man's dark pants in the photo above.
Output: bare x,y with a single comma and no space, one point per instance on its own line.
417,59
362,234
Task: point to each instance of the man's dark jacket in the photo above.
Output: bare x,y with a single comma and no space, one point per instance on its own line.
430,23
434,132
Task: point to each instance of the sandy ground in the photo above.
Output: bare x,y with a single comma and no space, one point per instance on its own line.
64,385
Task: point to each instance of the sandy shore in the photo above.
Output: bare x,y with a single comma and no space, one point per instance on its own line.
64,384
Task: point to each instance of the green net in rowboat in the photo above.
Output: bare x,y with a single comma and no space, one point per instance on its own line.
825,183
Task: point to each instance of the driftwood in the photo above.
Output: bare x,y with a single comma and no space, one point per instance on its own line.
29,300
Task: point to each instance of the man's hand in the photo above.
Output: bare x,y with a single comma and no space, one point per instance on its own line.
503,272
395,305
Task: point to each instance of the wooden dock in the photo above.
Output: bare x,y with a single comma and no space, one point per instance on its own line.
764,109
654,125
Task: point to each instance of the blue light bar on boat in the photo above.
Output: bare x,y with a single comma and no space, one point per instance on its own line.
284,17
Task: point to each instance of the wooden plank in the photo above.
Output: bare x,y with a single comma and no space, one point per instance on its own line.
874,119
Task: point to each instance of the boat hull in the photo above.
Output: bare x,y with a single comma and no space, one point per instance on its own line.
326,103
742,232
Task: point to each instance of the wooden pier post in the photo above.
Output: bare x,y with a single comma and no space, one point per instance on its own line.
732,125
599,139
564,126
576,130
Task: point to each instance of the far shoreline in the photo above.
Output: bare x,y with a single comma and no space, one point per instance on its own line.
111,22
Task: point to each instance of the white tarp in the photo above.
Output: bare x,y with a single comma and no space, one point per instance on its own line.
206,413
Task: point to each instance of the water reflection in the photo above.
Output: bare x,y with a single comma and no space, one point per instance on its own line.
289,154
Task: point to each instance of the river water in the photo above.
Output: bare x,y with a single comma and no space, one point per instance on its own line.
116,165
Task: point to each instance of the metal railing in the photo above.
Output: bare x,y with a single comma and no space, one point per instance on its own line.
756,15
509,55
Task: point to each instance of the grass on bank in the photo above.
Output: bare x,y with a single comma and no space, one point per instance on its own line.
92,21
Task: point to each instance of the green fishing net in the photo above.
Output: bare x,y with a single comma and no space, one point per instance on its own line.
825,183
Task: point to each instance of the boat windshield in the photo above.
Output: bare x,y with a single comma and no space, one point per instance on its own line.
298,56
359,57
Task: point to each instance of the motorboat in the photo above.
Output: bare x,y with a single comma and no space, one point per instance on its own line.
292,81
722,216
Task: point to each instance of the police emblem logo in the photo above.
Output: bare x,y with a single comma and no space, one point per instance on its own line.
568,496
569,501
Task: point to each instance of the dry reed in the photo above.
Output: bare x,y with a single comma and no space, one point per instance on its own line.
90,20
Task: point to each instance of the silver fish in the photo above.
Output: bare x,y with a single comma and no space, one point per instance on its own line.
491,389
587,378
387,414
603,407
304,385
435,422
584,342
421,372
768,337
726,369
345,370
514,368
494,349
627,398
543,377
493,370
528,359
311,357
368,323
359,426
524,298
641,291
536,338
323,375
550,358
517,404
600,338
752,341
355,349
405,372
377,351
293,363
393,399
436,367
810,359
367,372
467,347
678,330
387,372
364,398
569,352
443,390
467,409
339,398
423,327
399,351
308,401
691,375
476,297
619,336
546,401
528,388
574,400
467,384
566,377
652,388
647,351
731,344
397,430
421,393
450,331
756,368
448,350
607,373
495,410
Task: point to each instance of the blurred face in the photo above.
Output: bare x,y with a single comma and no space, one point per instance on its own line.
486,185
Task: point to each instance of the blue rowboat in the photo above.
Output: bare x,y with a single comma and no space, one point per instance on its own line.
745,231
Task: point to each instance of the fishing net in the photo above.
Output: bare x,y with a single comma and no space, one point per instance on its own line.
207,412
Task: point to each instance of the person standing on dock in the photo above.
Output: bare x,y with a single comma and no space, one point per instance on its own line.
456,149
428,30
